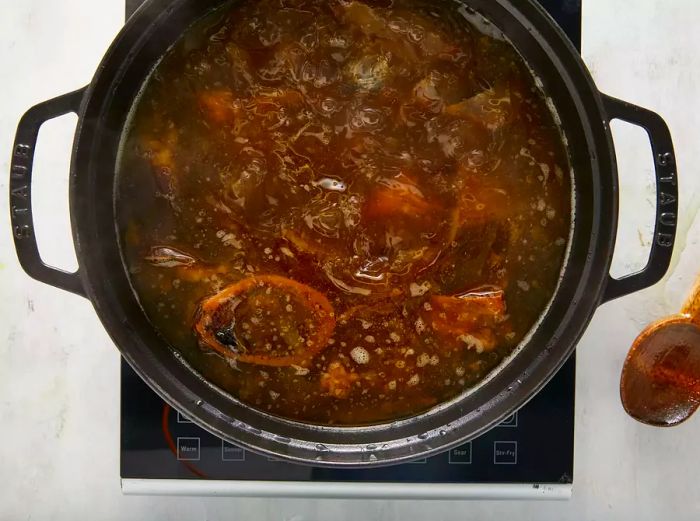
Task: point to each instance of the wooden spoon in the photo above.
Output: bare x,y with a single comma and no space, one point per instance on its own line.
660,383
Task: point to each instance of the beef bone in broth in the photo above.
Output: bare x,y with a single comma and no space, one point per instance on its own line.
343,212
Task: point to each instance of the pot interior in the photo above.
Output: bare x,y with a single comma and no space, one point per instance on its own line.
138,50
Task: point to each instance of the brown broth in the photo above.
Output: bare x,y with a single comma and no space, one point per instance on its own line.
398,166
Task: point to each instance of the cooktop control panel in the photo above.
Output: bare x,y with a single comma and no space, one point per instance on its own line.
534,445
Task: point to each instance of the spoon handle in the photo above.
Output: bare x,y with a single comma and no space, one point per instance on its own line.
691,308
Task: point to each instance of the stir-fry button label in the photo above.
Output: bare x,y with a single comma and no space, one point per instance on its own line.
505,452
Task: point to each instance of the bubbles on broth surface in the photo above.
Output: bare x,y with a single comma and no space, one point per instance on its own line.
343,212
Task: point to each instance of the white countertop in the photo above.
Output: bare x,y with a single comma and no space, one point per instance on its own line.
59,373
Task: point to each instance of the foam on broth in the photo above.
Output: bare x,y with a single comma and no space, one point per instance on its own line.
341,212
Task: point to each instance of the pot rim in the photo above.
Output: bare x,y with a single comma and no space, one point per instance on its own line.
405,441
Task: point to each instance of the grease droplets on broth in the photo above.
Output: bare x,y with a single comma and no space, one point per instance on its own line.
339,212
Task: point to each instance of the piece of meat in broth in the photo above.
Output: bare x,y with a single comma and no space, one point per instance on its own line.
160,153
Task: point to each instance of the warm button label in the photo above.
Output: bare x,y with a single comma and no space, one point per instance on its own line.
188,449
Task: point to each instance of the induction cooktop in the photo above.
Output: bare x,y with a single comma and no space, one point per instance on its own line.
528,455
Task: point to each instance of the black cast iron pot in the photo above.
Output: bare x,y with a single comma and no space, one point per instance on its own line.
585,114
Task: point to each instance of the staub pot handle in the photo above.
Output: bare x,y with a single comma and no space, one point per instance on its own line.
666,198
21,192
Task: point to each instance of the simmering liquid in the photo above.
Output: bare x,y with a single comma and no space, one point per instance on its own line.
343,212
